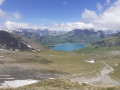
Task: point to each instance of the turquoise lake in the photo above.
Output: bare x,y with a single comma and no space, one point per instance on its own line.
68,46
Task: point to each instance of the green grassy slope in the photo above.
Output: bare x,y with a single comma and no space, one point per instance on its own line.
64,62
113,41
107,44
58,63
107,50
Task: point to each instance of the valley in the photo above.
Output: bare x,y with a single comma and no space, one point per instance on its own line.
59,44
59,64
94,65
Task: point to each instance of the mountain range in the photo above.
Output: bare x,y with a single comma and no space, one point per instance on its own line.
47,37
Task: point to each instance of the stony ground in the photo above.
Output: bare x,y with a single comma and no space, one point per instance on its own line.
102,79
53,64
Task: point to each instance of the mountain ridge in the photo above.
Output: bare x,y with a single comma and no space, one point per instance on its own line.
13,42
113,41
74,36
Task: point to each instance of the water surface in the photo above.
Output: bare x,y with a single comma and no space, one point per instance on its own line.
68,46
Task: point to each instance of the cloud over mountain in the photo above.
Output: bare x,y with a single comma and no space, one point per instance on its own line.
109,18
14,25
106,19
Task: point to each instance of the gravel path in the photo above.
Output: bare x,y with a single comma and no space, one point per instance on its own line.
102,79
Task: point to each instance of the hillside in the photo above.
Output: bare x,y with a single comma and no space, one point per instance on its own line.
106,44
109,42
12,41
108,51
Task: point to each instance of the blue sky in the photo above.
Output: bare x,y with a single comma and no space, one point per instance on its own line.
58,12
49,11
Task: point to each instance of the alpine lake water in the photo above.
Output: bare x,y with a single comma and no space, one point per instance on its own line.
68,46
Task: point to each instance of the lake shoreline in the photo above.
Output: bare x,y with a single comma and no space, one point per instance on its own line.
64,43
68,46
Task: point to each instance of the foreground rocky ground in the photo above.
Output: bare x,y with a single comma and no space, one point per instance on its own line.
60,84
102,79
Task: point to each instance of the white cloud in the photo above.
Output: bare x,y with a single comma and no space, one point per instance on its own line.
99,6
64,26
89,15
1,2
4,16
107,2
117,2
14,26
110,18
16,15
71,26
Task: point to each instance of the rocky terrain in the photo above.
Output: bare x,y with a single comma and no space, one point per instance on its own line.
14,42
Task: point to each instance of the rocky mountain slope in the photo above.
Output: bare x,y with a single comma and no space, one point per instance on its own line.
12,41
84,36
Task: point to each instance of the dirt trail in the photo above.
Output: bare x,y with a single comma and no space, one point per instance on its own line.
102,79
